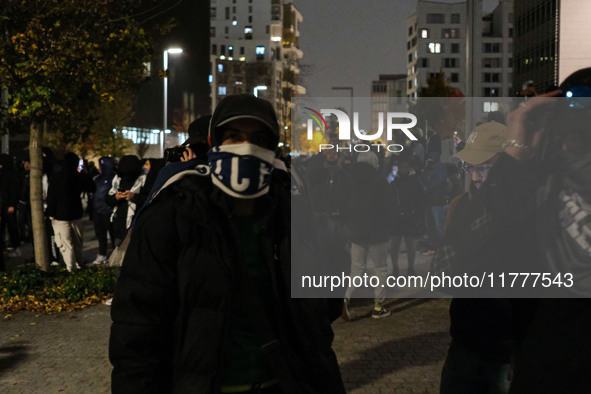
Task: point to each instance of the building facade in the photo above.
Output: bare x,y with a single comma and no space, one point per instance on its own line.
387,96
472,50
254,49
551,41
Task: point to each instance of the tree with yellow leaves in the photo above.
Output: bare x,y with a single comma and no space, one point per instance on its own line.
59,60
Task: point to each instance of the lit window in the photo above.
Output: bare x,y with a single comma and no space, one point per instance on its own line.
424,33
260,50
434,47
492,92
221,90
491,106
450,33
220,68
210,79
248,33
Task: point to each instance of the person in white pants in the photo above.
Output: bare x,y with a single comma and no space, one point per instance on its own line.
64,208
68,238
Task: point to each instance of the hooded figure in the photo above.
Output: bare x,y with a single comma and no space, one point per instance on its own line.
200,305
102,210
9,191
64,208
124,194
434,182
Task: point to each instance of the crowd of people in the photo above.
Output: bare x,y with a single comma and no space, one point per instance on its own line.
73,188
203,301
15,209
372,202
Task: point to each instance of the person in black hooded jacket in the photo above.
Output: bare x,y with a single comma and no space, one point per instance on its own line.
533,217
9,189
64,208
203,301
102,211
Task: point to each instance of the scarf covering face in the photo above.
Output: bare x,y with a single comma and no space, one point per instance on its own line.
241,170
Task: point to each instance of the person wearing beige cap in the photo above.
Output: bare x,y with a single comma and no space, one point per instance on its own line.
478,359
482,149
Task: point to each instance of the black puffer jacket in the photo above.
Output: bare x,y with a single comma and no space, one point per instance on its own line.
172,307
407,197
369,211
65,187
103,185
8,182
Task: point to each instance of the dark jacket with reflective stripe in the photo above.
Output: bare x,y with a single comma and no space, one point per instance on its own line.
172,306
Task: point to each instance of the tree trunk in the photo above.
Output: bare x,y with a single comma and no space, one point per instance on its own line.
38,218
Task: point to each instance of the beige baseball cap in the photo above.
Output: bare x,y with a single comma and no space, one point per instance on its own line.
483,143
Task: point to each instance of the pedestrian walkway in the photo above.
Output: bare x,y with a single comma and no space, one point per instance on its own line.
68,352
403,353
89,252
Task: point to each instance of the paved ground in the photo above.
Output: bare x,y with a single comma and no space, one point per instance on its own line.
402,353
90,248
67,352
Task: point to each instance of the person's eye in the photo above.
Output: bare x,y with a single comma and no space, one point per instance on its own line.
232,136
261,140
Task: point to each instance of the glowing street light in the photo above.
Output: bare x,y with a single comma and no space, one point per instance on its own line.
172,51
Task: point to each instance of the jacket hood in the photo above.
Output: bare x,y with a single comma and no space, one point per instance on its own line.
107,166
71,161
6,162
48,161
129,167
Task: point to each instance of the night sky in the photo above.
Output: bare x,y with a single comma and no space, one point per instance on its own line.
351,42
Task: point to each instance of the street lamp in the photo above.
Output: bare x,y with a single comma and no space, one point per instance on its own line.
257,88
350,89
172,51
